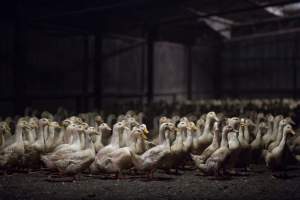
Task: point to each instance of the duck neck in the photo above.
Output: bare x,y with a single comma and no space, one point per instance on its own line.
207,126
82,139
51,134
283,141
189,139
19,134
115,140
275,128
98,137
89,143
246,135
76,138
40,135
224,141
161,136
258,135
45,133
241,134
270,128
179,139
31,134
279,133
216,138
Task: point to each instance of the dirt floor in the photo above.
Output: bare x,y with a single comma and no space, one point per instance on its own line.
257,184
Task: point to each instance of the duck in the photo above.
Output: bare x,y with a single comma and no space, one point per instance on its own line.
34,150
211,148
257,144
206,138
275,130
152,158
279,134
6,130
172,159
120,159
103,129
267,137
217,160
118,129
275,158
49,143
200,126
12,151
5,133
60,137
72,163
141,143
130,122
49,159
27,157
234,146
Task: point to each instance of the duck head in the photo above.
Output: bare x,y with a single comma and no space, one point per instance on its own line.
212,116
233,122
143,127
43,122
98,120
263,127
4,128
131,122
288,129
55,125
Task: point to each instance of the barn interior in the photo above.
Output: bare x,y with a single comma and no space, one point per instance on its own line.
177,61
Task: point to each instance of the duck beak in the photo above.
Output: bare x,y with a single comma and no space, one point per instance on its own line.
293,132
146,130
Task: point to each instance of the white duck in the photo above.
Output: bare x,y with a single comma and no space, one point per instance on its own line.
72,163
13,149
120,159
275,158
211,148
152,158
218,159
103,130
206,138
118,129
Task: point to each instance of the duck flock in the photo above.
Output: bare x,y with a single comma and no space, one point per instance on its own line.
213,143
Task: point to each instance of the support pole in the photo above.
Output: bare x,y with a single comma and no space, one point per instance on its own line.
20,61
189,72
85,73
98,70
150,63
218,71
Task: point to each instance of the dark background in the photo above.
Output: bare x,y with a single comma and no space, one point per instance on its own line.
91,54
